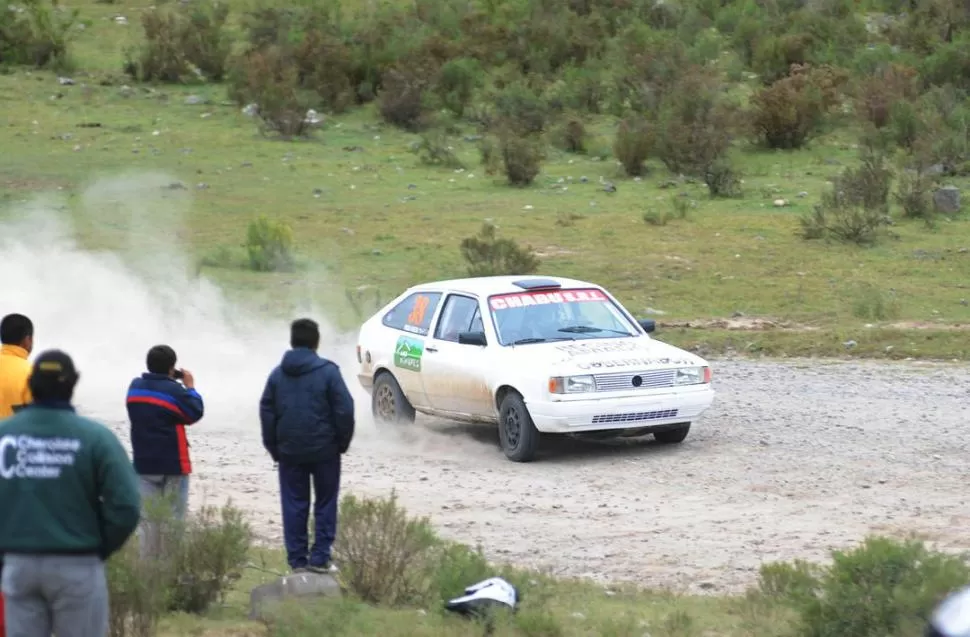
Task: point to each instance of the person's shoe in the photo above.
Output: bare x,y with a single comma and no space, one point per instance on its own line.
324,569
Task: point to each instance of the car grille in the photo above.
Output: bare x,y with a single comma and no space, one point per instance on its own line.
639,416
655,379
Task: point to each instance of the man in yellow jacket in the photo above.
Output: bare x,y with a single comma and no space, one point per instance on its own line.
16,342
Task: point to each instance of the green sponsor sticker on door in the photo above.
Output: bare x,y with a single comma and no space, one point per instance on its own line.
408,353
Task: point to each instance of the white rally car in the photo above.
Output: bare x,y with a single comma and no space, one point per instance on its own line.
549,355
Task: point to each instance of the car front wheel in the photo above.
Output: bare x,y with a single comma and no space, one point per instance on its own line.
517,433
672,436
388,402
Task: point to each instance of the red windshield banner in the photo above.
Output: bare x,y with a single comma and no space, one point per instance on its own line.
525,299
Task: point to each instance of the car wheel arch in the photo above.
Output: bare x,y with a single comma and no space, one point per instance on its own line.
502,392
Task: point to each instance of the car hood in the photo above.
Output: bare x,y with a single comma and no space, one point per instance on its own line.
593,356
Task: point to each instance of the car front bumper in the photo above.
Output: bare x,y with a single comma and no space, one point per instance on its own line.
626,412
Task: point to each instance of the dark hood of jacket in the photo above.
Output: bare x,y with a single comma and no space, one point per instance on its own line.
301,361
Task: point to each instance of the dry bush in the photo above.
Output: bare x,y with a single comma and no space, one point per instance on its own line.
488,255
402,100
326,66
571,135
633,143
786,114
268,78
182,42
876,94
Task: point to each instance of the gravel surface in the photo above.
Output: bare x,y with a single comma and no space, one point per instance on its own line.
793,459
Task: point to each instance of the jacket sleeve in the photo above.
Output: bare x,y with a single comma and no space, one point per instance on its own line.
119,498
268,417
191,403
342,406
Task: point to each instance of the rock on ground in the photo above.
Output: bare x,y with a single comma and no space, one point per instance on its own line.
301,585
793,459
947,200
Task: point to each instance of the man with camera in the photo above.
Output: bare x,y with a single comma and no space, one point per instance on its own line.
161,403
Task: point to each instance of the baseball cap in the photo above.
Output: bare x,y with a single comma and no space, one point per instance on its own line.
54,367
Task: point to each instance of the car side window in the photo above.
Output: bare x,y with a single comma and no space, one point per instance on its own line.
414,313
456,317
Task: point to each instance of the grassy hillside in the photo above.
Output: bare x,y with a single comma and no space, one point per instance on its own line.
428,107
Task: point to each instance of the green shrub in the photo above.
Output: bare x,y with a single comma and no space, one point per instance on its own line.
520,109
857,205
194,564
913,195
521,158
458,80
488,255
435,149
384,555
269,245
212,551
36,33
794,583
884,587
873,304
722,179
788,113
183,42
633,143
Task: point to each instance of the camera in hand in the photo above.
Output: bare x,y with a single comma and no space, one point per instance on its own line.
178,375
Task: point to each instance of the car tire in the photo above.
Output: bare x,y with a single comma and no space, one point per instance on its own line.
388,402
672,436
517,433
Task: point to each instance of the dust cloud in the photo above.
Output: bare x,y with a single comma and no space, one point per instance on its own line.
106,309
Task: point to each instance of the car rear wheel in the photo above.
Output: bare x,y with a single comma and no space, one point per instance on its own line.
388,402
516,431
672,436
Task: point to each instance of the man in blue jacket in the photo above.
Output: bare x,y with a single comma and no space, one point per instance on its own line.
307,417
159,409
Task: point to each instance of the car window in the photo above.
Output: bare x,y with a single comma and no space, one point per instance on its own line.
414,313
572,314
457,316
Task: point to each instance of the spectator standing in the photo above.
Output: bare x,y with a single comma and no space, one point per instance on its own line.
307,418
161,403
70,500
16,343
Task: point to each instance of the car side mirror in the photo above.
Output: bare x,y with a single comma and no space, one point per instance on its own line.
648,325
472,338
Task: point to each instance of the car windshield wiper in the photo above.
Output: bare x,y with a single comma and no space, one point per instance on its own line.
526,341
589,329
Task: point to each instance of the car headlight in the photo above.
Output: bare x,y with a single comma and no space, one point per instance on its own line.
692,375
571,384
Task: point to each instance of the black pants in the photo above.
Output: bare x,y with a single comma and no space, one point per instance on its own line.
295,483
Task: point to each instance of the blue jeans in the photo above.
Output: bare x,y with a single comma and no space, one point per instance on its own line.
295,482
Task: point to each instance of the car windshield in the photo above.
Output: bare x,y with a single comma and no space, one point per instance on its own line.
563,315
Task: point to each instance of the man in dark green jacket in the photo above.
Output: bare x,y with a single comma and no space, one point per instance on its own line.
70,500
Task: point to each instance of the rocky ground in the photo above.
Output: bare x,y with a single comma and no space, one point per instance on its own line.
794,459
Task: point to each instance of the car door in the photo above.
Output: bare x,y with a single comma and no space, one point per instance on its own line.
404,340
453,373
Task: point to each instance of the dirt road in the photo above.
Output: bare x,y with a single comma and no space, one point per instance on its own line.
793,459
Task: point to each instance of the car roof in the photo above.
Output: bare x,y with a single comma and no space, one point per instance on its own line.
488,285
